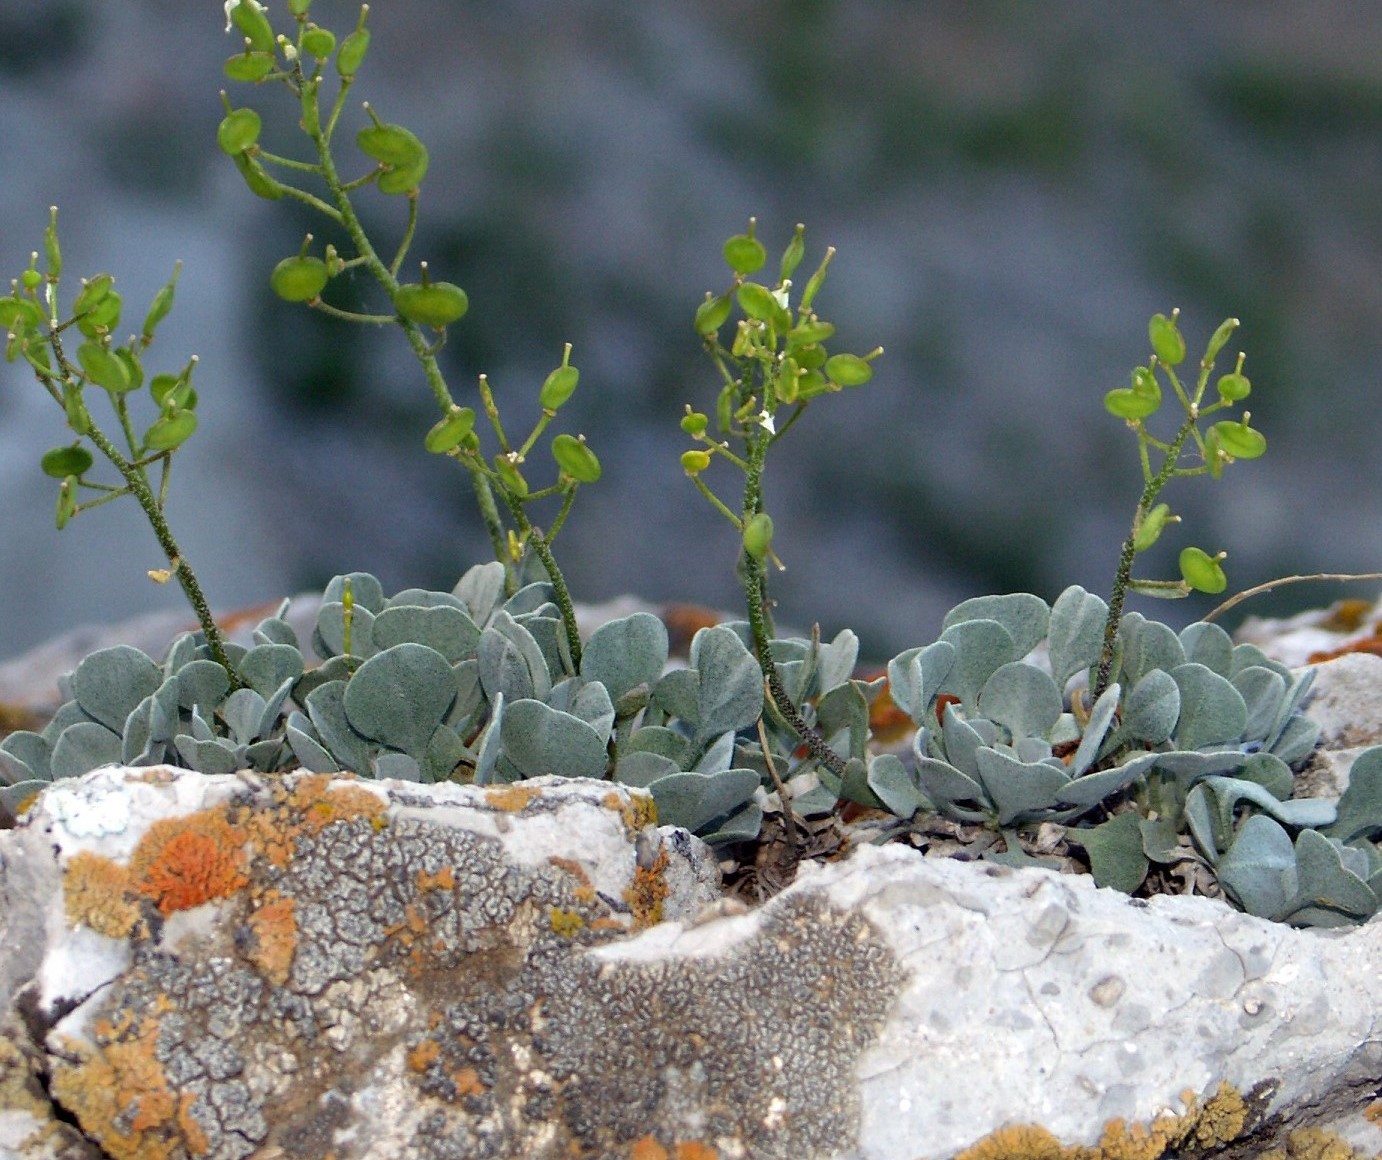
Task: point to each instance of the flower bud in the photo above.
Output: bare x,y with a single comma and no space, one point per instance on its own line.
758,535
694,423
67,501
558,387
299,7
695,461
78,418
436,304
238,130
510,476
52,251
448,433
1149,529
1167,341
1218,340
744,254
299,279
1202,571
161,305
61,462
575,458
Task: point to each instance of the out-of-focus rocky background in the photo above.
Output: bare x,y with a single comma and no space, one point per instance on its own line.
1013,190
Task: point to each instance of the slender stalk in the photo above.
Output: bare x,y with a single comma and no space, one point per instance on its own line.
1125,557
1271,585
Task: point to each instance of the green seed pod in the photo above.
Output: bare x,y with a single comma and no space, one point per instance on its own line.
744,254
320,42
31,279
352,53
558,387
103,367
299,7
19,314
788,378
436,304
78,418
67,501
1239,440
793,254
849,370
1219,339
809,333
258,180
133,367
724,407
695,461
403,179
1167,342
575,458
170,431
61,462
812,383
1125,403
249,67
1202,571
711,314
299,279
238,130
694,423
758,302
52,251
758,535
102,318
252,22
1234,386
1151,527
390,144
510,476
161,305
92,292
449,432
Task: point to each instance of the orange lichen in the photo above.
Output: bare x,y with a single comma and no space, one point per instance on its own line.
304,808
646,1148
695,1150
121,1097
443,879
512,799
185,862
585,892
636,811
1373,1112
467,1081
1019,1142
647,892
275,930
96,893
426,1053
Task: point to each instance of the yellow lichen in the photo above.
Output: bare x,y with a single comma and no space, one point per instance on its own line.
121,1097
421,1057
647,892
275,931
185,862
635,810
96,893
467,1081
443,879
566,923
512,799
1018,1142
695,1150
585,892
1314,1144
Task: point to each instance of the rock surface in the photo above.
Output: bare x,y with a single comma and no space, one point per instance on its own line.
228,967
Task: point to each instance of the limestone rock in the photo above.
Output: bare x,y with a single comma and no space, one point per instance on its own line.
308,967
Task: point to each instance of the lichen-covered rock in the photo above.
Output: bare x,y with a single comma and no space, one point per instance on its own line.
231,967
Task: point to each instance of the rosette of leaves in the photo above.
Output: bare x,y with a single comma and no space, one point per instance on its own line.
424,686
1195,738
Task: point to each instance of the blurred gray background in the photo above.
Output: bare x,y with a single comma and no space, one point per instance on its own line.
1013,189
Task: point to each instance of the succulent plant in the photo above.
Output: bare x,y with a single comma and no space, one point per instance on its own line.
1194,738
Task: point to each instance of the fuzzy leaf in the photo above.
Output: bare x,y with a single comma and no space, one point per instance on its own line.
915,676
897,788
24,756
1212,711
1115,852
540,741
110,683
692,800
1259,871
511,661
83,747
1026,618
482,590
1147,645
1076,632
730,693
329,635
326,709
443,627
1360,807
642,768
1152,708
1207,644
1020,791
400,696
623,654
266,666
1022,698
365,591
955,794
311,755
1325,883
982,647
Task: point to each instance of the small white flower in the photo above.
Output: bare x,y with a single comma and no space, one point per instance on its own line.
766,422
782,291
